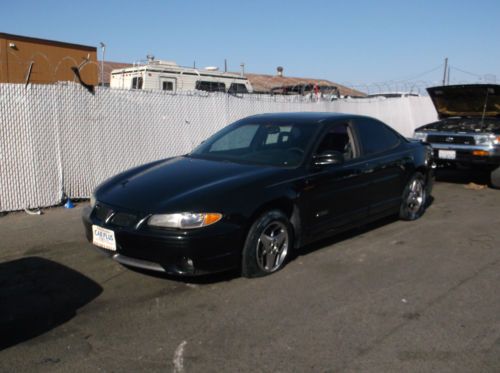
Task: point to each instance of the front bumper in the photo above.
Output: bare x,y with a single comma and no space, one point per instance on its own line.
195,252
465,154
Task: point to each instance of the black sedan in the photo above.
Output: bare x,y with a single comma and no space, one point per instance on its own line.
257,190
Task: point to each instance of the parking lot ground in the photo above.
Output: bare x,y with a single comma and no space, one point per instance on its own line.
391,297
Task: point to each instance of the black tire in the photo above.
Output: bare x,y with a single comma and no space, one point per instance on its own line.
495,178
261,258
415,198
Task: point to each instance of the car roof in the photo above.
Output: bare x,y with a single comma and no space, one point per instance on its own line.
313,117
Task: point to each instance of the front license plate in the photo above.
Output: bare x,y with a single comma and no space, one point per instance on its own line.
104,238
447,154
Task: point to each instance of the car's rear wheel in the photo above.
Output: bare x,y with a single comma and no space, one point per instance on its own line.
495,178
414,198
268,244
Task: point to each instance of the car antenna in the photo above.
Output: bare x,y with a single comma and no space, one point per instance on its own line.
484,107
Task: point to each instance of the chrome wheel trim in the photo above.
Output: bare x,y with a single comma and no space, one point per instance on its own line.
272,246
416,196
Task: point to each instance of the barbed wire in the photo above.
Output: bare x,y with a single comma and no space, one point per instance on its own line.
295,86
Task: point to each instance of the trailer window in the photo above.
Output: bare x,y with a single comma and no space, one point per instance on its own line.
137,82
168,86
237,88
203,85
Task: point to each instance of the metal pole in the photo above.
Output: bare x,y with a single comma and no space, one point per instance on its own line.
103,48
445,70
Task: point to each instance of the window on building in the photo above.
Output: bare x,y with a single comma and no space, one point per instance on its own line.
167,86
137,82
204,85
237,88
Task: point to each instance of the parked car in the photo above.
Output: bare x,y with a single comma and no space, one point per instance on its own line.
256,190
468,132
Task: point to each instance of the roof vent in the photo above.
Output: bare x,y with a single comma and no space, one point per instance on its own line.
279,69
163,62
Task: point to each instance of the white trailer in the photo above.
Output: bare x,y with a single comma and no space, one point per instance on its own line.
168,76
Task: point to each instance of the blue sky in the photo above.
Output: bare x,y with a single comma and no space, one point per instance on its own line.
356,42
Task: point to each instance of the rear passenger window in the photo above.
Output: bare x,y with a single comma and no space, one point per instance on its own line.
375,136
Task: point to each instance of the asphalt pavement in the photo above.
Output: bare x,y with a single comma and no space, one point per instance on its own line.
393,296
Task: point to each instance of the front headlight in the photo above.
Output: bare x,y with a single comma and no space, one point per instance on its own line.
422,136
488,140
482,139
184,220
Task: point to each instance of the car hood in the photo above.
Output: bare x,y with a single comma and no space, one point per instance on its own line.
181,182
471,100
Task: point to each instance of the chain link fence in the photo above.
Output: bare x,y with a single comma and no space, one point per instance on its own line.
60,140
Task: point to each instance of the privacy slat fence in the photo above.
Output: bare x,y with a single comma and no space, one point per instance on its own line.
61,139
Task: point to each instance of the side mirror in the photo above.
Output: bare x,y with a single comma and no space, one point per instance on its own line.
328,157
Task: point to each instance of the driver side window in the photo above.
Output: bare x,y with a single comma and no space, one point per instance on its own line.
339,139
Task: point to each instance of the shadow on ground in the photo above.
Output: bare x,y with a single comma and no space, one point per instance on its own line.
346,235
457,175
37,295
320,244
205,279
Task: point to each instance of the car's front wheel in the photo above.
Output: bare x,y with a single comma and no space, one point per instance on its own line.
495,178
267,245
414,198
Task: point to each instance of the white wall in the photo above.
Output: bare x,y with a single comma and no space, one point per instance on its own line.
57,139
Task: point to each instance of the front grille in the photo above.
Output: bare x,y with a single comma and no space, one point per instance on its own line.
451,139
108,215
123,219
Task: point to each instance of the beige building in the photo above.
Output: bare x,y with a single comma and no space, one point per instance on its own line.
31,60
266,84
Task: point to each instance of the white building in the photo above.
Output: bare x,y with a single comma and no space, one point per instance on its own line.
168,76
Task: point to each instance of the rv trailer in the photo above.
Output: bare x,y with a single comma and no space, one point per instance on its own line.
167,76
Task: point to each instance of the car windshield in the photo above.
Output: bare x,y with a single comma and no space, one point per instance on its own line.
273,144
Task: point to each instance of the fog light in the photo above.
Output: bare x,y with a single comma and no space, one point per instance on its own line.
481,153
186,265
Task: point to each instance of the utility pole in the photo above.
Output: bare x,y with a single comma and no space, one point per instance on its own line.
445,70
103,47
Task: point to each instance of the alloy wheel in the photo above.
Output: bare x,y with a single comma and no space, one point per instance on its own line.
416,196
272,246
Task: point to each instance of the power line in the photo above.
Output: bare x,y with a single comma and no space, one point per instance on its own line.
419,75
466,72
